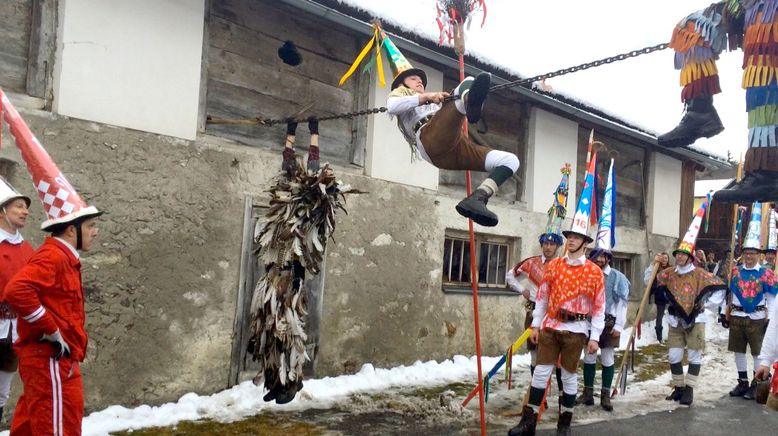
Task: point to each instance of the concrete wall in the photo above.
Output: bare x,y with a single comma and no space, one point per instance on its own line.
388,155
664,195
132,64
163,278
553,141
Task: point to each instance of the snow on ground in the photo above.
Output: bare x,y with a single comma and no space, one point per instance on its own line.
245,399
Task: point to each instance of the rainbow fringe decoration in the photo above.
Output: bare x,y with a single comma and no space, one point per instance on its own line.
698,40
760,64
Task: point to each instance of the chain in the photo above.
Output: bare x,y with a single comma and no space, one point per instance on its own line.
581,67
521,82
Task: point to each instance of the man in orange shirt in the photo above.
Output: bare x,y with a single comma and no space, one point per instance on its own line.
14,253
570,303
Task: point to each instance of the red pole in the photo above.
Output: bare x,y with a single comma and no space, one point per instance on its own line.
474,280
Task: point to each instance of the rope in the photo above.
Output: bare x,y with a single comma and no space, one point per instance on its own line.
520,82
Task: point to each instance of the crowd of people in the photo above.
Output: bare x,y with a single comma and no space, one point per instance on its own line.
578,303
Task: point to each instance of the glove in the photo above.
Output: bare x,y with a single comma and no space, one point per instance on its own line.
291,127
723,320
62,348
313,125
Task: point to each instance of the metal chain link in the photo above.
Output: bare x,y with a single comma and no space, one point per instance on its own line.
520,82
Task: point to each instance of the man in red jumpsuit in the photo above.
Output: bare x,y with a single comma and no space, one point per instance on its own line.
49,300
14,253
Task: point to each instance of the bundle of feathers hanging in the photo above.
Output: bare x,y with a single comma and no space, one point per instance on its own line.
292,238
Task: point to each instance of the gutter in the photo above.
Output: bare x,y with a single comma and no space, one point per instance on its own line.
356,25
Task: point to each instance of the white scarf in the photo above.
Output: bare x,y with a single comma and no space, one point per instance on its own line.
11,238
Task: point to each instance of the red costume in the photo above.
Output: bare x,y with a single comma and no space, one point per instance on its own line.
47,295
12,259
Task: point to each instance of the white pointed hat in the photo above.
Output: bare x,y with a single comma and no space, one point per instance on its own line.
8,193
60,200
583,213
753,240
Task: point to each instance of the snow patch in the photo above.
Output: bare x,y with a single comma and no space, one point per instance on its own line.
382,239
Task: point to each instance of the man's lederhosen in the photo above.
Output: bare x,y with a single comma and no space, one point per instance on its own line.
606,337
746,332
445,144
562,344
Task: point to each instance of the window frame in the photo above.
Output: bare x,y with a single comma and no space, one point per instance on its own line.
513,244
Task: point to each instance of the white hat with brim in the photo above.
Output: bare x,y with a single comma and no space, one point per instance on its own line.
83,214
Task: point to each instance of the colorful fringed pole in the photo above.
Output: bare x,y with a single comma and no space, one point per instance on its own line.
452,16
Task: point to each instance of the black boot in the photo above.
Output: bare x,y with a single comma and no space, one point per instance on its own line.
688,396
751,392
475,97
289,392
759,186
586,397
676,394
474,207
526,427
740,389
605,400
658,330
563,425
272,394
700,120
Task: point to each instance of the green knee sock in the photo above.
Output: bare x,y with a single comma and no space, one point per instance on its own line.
590,370
607,376
500,174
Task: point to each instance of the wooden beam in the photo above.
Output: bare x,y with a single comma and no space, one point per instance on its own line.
686,211
359,129
239,329
202,112
40,60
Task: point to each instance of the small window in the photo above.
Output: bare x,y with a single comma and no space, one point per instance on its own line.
494,254
624,265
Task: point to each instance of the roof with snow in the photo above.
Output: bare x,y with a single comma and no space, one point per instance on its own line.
421,39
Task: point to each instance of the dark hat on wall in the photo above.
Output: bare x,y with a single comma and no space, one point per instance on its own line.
289,54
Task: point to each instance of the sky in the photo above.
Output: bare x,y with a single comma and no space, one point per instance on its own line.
531,38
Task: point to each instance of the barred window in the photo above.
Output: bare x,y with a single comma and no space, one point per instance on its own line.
494,254
624,265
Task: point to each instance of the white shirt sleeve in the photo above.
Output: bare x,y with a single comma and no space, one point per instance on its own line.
715,300
770,342
513,281
621,315
541,306
399,105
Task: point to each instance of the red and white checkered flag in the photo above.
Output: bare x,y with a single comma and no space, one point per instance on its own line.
60,200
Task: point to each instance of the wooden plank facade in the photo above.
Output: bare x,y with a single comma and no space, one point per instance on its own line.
629,161
246,78
16,18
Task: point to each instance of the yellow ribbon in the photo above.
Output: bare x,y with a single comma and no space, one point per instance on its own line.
362,55
379,64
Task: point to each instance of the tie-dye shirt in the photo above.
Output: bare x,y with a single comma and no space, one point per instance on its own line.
576,286
534,268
